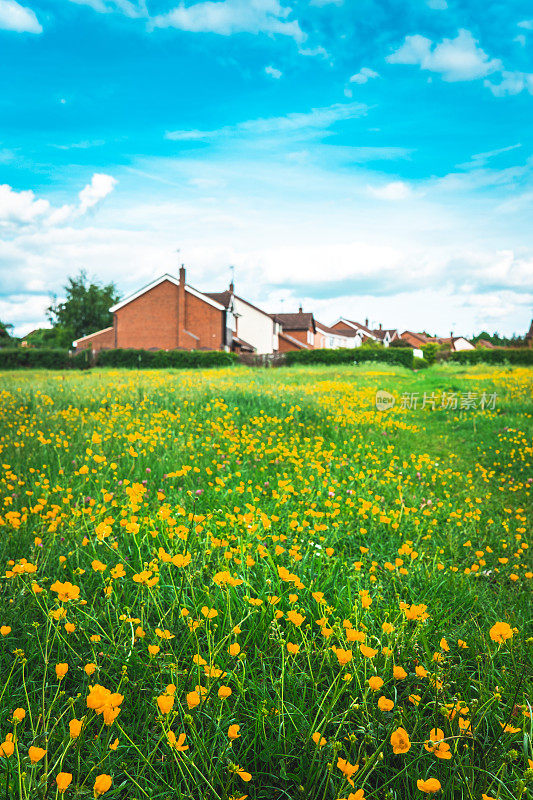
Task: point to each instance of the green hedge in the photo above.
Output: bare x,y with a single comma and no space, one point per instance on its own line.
161,359
507,355
399,355
30,358
33,358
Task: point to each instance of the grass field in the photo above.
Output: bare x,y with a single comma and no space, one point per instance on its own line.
251,583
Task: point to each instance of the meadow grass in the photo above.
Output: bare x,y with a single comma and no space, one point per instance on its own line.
251,583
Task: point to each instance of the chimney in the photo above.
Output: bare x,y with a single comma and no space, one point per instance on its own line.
300,310
231,287
366,322
181,312
380,326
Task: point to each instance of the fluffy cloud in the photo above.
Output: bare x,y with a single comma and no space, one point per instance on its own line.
100,186
14,17
227,17
459,59
395,190
23,208
364,75
399,284
20,207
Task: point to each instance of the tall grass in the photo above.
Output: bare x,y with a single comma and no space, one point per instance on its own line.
251,583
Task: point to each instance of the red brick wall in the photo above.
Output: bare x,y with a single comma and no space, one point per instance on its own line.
285,346
412,340
340,326
300,335
101,340
205,322
150,321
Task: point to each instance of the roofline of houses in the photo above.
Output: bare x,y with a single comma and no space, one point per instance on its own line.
242,300
156,282
356,326
90,335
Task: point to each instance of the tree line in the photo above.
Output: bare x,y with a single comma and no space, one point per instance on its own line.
84,310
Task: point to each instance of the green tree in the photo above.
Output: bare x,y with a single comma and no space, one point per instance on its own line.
6,340
430,351
49,338
85,309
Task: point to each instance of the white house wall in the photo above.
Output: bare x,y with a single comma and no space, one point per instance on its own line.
254,327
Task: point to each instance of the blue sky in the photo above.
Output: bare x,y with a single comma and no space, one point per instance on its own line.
364,158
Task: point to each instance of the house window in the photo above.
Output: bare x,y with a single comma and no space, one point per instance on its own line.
310,337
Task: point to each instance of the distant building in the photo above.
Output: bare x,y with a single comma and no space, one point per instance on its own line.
167,314
355,332
457,343
385,335
330,338
255,331
418,340
296,331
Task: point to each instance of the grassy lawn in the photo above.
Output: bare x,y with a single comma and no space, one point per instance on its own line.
251,583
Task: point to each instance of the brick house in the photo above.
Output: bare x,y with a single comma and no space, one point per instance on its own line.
254,331
385,335
417,340
331,338
355,332
167,314
296,331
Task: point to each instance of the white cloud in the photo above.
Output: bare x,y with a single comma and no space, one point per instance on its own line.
297,123
273,72
23,208
129,9
480,159
14,17
313,51
20,207
296,226
100,186
191,135
520,39
317,118
226,17
364,75
510,83
437,5
395,190
526,24
459,59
